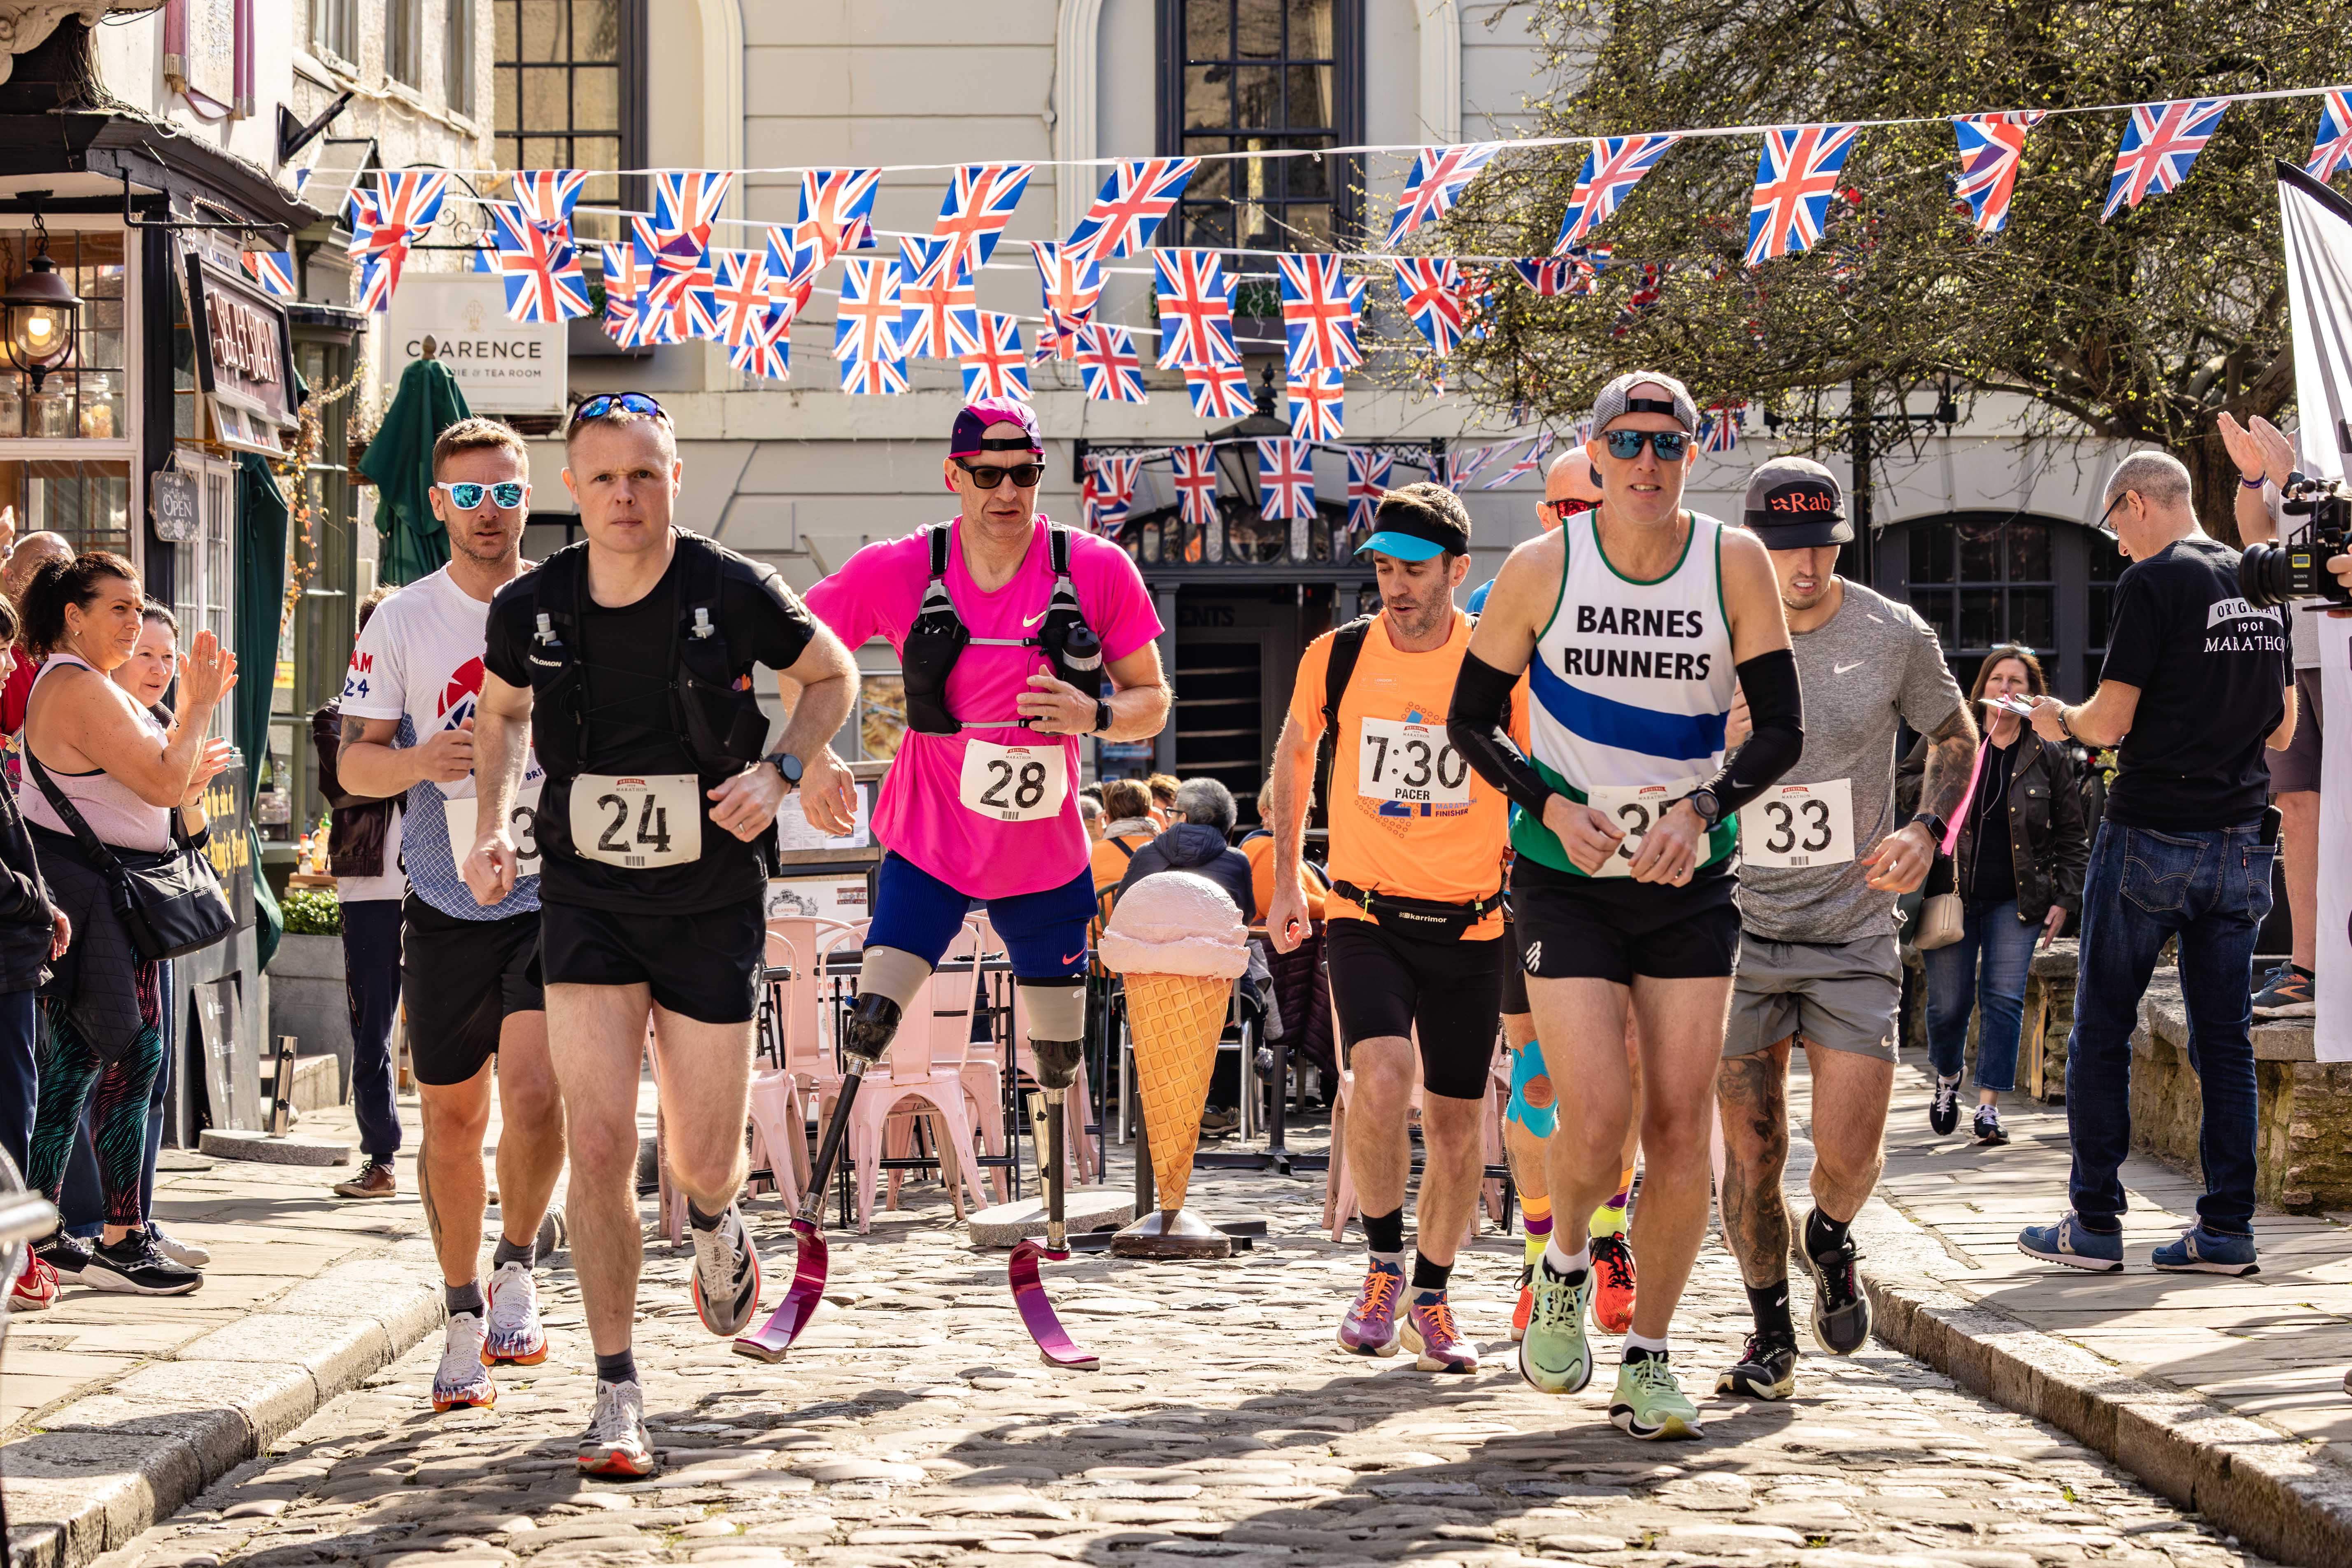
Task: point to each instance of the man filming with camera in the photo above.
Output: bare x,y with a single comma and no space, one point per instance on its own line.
2197,682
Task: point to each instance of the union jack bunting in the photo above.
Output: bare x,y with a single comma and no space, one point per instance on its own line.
1464,464
1551,274
2162,141
1315,413
2332,150
1108,363
548,196
273,269
1109,489
1129,206
686,201
740,297
1196,482
1196,314
1218,391
1648,289
379,276
1431,289
1439,176
1990,146
1718,428
993,367
1319,312
865,327
979,203
1367,476
541,270
767,350
1794,181
1285,478
1612,170
835,211
1073,283
694,299
405,204
791,271
623,287
935,290
657,318
1530,461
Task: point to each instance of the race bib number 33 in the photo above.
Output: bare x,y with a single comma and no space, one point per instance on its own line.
637,823
1409,763
1793,825
1015,783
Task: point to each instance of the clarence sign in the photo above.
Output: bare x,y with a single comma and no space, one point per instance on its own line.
502,365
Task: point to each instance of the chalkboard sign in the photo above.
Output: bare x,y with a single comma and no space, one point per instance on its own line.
172,504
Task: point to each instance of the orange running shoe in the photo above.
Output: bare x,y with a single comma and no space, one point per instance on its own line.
1527,1306
1613,1272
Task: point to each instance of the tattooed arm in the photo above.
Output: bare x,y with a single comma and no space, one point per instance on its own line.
1901,860
369,763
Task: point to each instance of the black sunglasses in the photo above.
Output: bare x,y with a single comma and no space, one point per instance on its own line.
1572,507
603,403
988,476
1626,445
468,495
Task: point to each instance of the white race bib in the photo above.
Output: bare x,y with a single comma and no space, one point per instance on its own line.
1015,783
637,822
523,818
1635,808
1791,826
1409,763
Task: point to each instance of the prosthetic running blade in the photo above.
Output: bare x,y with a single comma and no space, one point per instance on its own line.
1037,1312
773,1338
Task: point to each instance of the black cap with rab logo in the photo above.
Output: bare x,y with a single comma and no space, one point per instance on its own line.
1794,503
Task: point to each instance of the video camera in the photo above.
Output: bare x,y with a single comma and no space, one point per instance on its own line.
2297,568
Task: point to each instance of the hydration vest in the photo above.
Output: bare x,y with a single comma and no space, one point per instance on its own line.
719,720
939,636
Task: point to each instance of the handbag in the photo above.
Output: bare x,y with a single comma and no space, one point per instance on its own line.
1943,916
170,901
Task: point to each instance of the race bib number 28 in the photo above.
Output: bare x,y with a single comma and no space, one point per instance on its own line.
1412,765
1015,783
1792,825
637,823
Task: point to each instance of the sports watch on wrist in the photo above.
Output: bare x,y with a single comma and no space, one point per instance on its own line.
1710,810
1935,825
789,765
1102,714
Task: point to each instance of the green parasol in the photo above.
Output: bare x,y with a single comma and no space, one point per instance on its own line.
399,462
261,517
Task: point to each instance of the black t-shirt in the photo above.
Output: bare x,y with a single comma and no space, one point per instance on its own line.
629,661
1993,876
2212,671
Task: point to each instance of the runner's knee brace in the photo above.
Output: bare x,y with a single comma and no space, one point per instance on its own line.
1057,1028
887,980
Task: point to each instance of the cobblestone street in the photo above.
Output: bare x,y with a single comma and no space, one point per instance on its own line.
916,1424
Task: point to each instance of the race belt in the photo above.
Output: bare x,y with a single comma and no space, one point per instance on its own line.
1421,917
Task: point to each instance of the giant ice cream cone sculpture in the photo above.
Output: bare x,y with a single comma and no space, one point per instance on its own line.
1179,943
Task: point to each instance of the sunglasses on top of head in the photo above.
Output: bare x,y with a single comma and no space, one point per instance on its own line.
605,402
1626,445
467,495
988,476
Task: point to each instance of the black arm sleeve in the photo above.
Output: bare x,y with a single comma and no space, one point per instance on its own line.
1776,707
1477,723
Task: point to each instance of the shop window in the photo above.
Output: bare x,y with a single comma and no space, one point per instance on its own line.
567,80
83,399
88,502
458,55
205,567
404,41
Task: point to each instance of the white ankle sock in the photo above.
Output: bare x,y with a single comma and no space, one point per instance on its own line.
1640,1342
1567,1265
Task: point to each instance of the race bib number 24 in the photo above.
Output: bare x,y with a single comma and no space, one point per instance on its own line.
637,822
1015,783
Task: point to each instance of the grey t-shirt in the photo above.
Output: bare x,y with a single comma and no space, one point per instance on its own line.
1872,664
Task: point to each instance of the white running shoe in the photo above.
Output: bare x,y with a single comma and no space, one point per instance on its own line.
616,1442
514,1336
726,1279
462,1379
193,1254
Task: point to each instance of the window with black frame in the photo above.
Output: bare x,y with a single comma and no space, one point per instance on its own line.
1985,579
567,93
1262,76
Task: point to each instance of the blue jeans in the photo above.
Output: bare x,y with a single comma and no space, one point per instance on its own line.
1957,987
371,988
2212,889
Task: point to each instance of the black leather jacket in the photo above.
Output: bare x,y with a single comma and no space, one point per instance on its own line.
2047,847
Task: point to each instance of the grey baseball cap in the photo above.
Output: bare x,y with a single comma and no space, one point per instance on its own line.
1794,503
1617,399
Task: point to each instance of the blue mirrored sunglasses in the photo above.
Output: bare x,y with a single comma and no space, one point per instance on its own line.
603,403
1626,445
467,495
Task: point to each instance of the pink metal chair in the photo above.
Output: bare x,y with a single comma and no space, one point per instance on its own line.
779,1120
922,1075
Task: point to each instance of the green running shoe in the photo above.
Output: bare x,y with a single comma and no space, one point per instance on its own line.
1553,1355
1649,1403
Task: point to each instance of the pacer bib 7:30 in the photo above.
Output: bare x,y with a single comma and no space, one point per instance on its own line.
1015,783
1410,763
637,820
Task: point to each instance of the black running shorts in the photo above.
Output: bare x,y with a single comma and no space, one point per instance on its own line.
1613,928
1515,979
703,966
459,981
1384,982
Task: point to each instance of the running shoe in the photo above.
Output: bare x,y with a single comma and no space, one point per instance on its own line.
1612,1295
464,1375
66,1256
1988,1128
134,1267
1945,1113
513,1337
2286,995
1429,1332
35,1290
726,1279
2203,1251
375,1180
1766,1369
1650,1404
1840,1307
1369,1327
616,1443
193,1254
1554,1356
2070,1244
1526,1303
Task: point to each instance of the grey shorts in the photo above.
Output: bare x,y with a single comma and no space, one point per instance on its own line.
1840,995
2295,770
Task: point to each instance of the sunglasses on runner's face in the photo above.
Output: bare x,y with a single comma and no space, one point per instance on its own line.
988,476
1574,506
603,403
466,495
1626,445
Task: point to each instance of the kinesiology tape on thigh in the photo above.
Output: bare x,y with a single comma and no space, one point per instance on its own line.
887,980
1057,1028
